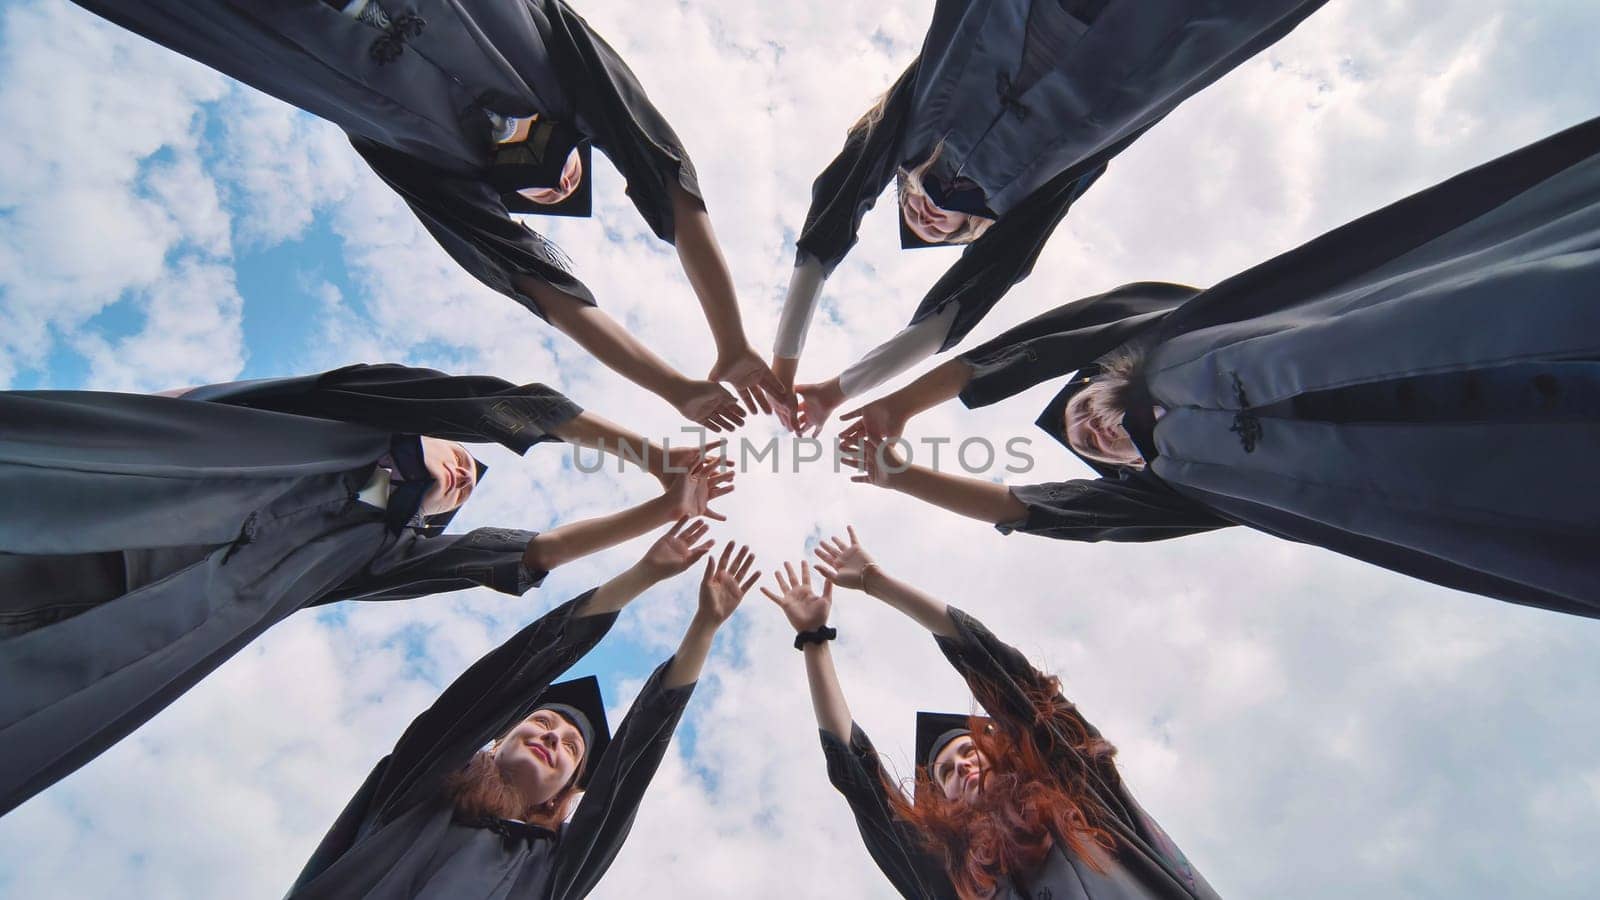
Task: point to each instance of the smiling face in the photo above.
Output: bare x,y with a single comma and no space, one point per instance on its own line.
540,756
959,770
571,177
454,472
1094,428
928,221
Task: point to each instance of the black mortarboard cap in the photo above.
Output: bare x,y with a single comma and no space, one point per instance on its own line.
537,163
935,731
579,702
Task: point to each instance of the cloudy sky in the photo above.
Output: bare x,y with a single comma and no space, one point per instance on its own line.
1303,725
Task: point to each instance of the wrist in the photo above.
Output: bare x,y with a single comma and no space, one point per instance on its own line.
661,510
872,579
704,624
644,574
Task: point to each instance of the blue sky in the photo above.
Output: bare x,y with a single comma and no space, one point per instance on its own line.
1303,725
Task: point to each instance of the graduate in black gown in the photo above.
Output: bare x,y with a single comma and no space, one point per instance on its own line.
1024,803
1008,114
1419,389
473,802
473,110
146,539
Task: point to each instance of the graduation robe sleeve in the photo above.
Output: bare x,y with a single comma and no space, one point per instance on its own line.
411,400
414,565
855,771
850,185
1057,343
617,115
1133,509
605,815
1002,678
470,221
495,692
1004,255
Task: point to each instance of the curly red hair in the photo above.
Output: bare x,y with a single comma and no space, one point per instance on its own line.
1036,794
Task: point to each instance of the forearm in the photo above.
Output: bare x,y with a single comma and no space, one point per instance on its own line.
827,698
929,612
575,540
707,271
598,433
690,659
617,593
976,498
943,382
607,341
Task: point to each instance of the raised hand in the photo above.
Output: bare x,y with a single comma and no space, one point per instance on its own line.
709,405
725,584
692,492
844,564
674,552
880,419
679,460
817,403
878,461
756,383
805,609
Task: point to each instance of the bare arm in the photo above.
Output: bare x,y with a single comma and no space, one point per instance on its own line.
887,416
707,271
689,496
598,433
849,565
975,498
704,402
672,553
807,610
720,592
575,540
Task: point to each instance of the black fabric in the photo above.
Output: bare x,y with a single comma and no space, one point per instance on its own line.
415,95
144,540
815,636
1411,389
398,836
1145,863
1027,103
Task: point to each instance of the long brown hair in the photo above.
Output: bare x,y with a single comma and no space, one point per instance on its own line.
479,792
1036,793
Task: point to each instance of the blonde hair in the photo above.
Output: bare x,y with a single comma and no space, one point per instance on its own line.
1103,403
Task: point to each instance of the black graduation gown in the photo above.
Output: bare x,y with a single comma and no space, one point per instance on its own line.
1028,102
144,540
1417,389
419,118
398,838
1145,864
